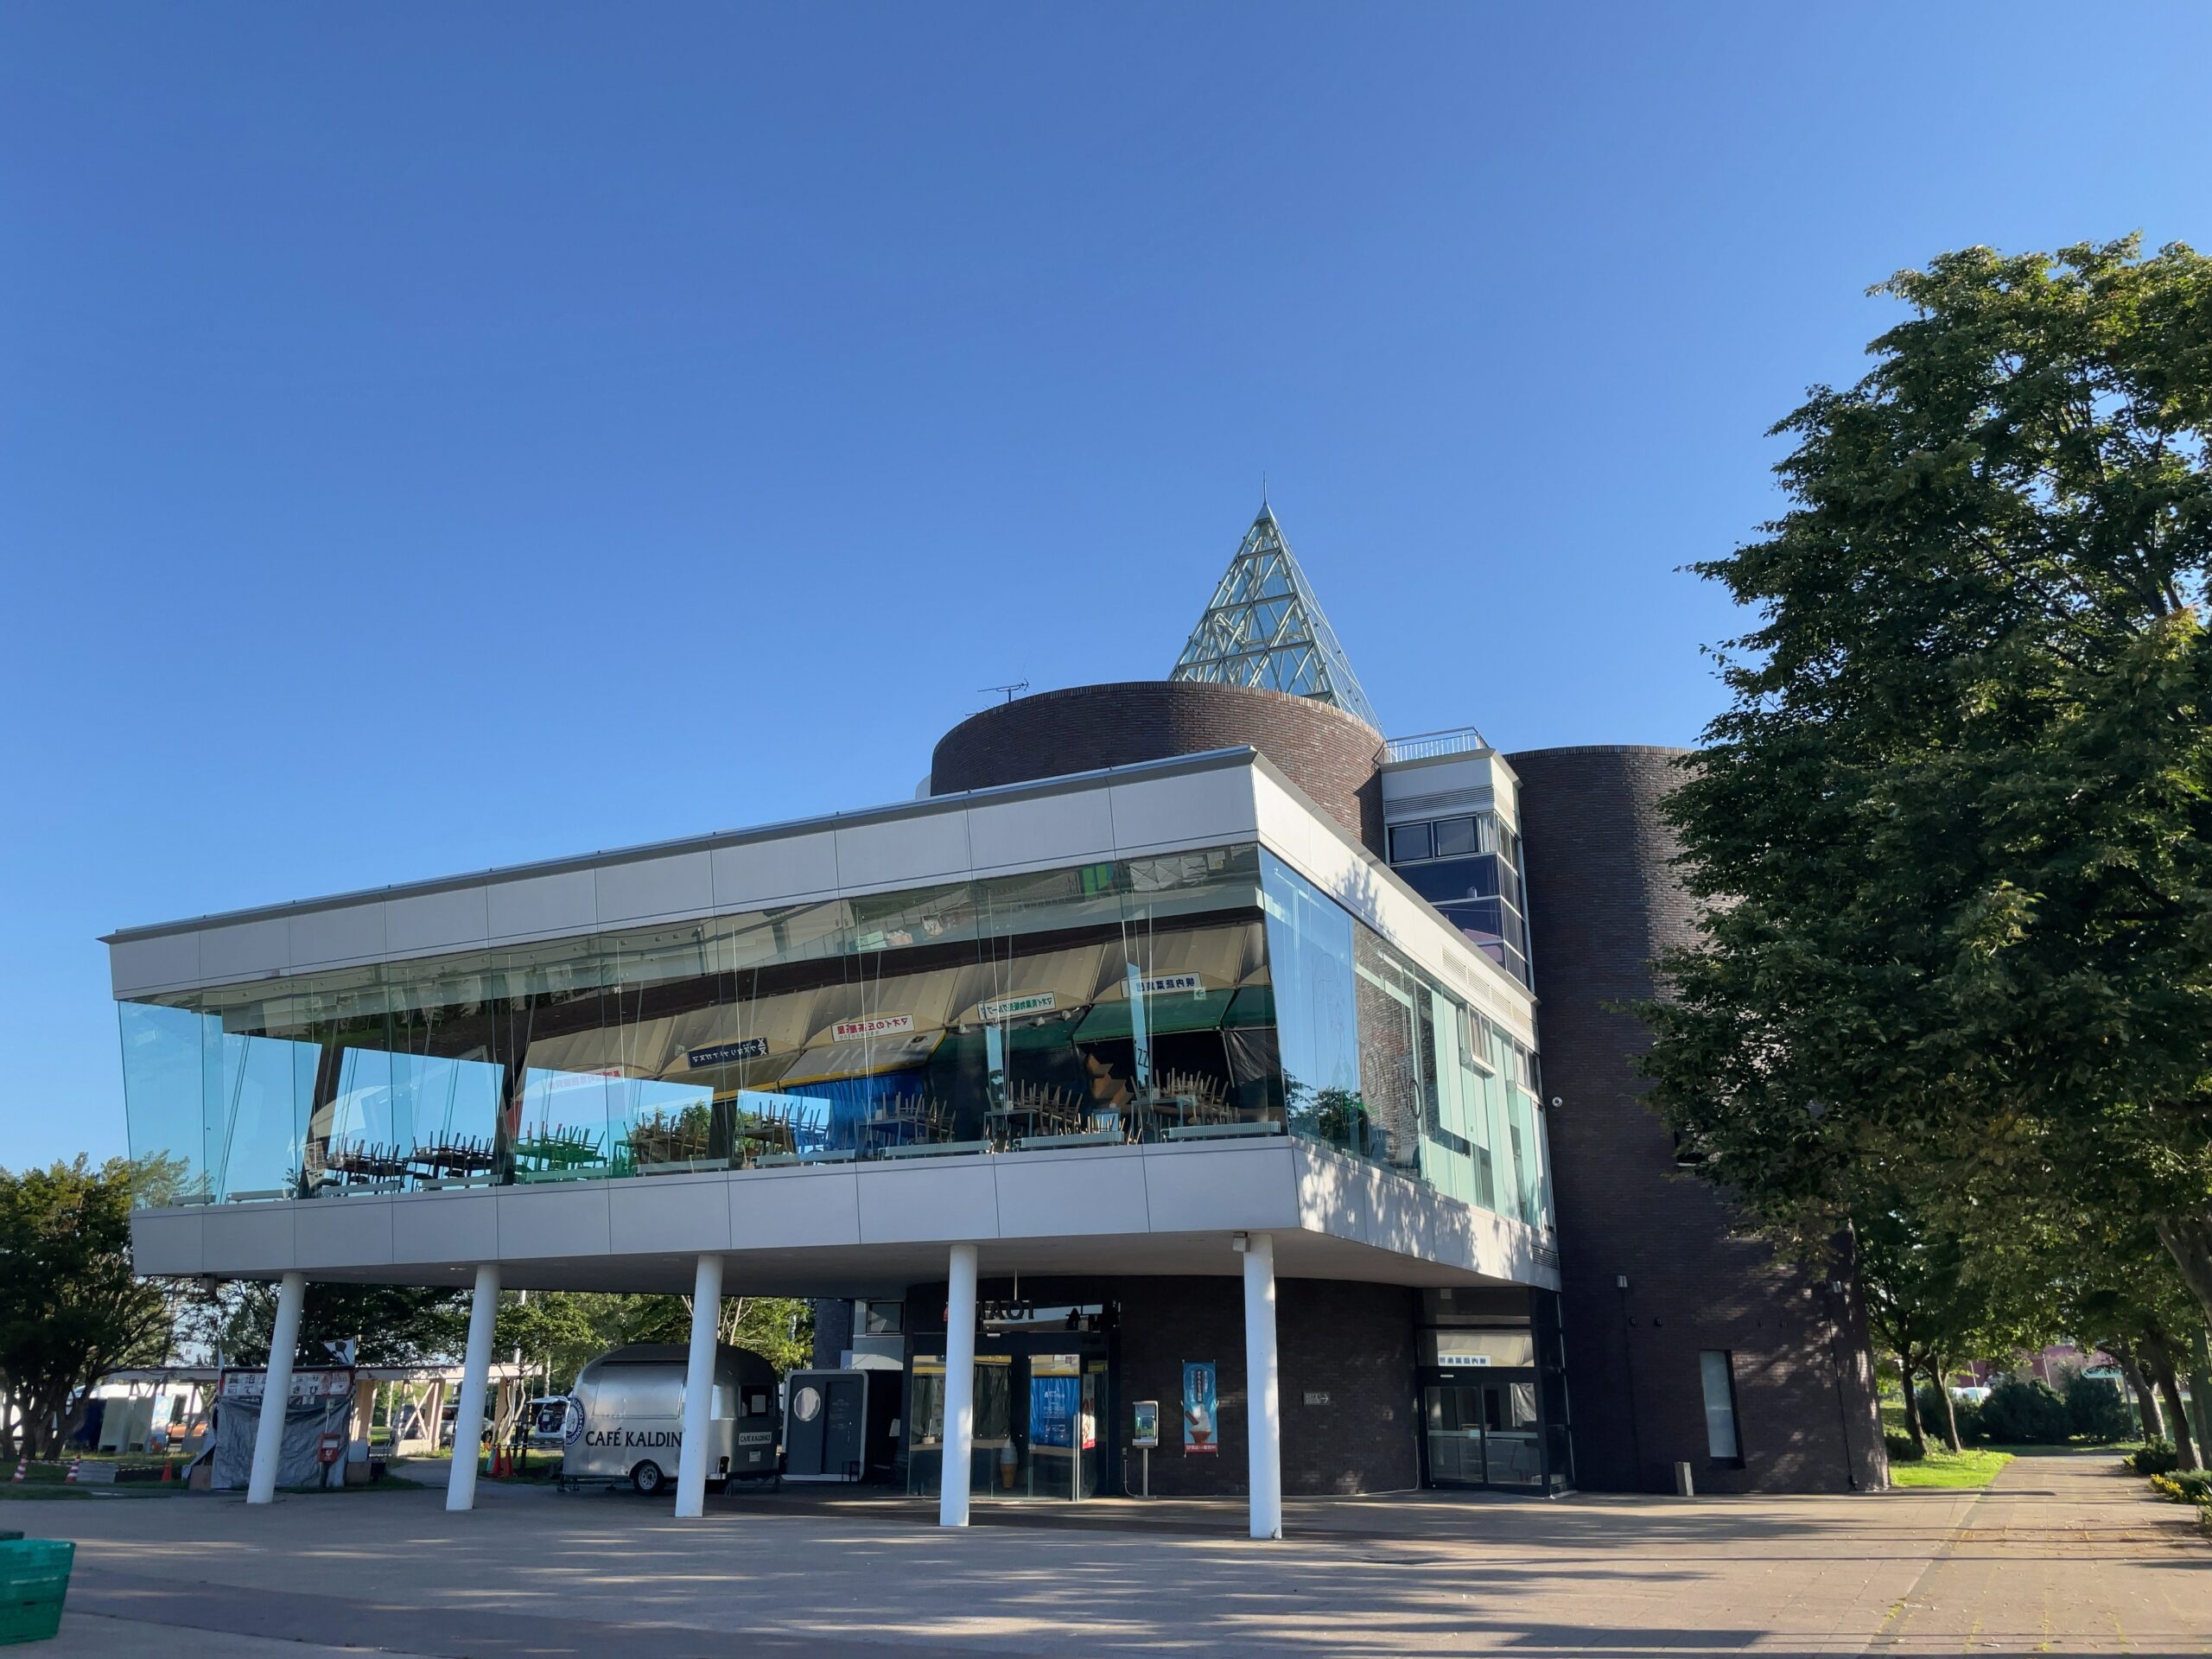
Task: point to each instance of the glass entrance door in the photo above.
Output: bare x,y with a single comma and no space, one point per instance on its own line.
1483,1433
1455,1434
1512,1453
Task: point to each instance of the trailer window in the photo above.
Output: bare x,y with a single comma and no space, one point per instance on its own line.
724,1409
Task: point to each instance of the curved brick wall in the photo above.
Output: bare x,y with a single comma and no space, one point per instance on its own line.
1328,754
1601,901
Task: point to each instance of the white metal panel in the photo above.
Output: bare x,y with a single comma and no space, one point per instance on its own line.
679,885
247,1237
763,872
901,852
1041,1195
1286,824
169,1241
1073,827
1334,1193
936,1198
350,933
245,948
554,1221
1224,1186
1186,809
136,965
683,1214
419,921
794,1208
460,1226
343,1232
530,905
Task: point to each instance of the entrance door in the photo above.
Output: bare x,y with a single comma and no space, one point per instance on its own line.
1512,1455
1455,1433
1483,1433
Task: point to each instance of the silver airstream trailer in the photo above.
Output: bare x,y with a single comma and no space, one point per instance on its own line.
626,1418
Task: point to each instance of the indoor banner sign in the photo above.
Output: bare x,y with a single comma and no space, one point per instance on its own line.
1200,1429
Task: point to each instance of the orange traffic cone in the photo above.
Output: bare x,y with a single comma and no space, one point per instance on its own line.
70,1480
22,1467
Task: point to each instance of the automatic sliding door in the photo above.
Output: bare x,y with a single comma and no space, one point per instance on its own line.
1455,1434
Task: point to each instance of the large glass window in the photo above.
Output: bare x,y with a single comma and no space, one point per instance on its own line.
1190,995
1316,1026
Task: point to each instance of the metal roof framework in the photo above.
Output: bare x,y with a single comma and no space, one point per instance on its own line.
1264,627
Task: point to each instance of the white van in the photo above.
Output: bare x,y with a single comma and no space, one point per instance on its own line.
626,1419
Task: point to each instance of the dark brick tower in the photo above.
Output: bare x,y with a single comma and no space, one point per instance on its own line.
1654,1268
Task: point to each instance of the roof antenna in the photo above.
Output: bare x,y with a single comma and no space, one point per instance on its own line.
1013,690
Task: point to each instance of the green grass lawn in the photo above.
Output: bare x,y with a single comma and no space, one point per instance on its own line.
1939,1468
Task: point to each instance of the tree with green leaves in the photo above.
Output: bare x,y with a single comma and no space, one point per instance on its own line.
557,1331
1953,836
1938,1296
389,1325
71,1309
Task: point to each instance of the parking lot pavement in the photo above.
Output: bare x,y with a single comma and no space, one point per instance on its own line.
2066,1556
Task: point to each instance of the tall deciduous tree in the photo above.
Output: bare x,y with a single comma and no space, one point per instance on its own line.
1954,832
1938,1296
71,1308
390,1324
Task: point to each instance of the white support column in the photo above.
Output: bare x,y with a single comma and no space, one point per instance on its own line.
1263,1423
276,1392
959,1388
699,1387
475,1373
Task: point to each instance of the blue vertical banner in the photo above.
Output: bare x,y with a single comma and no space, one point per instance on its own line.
1201,1425
1052,1410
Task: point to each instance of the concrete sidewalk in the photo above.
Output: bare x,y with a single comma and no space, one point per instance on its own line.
2067,1556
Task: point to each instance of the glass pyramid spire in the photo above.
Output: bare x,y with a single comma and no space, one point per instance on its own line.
1265,628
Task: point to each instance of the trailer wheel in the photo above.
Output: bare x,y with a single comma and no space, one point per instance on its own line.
647,1477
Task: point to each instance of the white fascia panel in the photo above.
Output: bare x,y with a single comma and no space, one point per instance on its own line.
915,1202
554,1221
643,888
343,1232
794,1209
1041,1196
683,1215
138,965
1073,827
167,1243
248,1238
903,852
245,950
460,1226
350,933
758,873
536,907
1223,1187
1189,809
419,923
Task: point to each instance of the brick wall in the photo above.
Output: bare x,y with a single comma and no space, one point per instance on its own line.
1351,1341
1334,757
1601,900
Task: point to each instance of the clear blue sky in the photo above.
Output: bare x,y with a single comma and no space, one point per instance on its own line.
436,436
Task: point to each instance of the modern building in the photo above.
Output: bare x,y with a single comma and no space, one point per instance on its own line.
1171,1064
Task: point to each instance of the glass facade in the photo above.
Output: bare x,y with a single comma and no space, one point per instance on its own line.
1469,868
1194,994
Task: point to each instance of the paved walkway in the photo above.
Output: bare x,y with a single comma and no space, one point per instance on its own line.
2066,1555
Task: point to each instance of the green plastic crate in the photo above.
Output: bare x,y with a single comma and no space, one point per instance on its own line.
34,1579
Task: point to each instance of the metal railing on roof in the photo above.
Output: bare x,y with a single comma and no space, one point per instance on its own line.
1423,745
